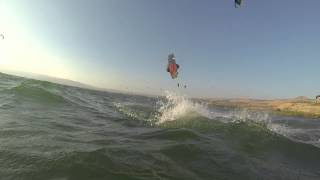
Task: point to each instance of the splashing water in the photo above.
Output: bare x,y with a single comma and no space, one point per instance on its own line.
176,106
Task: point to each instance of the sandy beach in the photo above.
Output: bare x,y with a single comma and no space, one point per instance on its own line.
299,106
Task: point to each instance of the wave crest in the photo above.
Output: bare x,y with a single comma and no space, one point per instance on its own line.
39,91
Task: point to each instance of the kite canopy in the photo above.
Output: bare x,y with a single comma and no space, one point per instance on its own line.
237,3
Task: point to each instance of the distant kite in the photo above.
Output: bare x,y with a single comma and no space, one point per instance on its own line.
237,3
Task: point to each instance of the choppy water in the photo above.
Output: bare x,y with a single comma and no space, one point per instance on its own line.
50,131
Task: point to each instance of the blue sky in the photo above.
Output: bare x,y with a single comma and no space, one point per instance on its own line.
265,49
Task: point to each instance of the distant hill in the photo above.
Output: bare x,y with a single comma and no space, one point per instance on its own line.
301,98
62,81
50,79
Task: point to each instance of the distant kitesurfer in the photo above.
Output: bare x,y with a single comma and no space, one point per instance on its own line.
2,36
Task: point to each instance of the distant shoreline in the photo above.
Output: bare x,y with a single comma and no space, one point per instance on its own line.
292,107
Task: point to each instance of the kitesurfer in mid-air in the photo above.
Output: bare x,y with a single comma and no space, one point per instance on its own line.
172,67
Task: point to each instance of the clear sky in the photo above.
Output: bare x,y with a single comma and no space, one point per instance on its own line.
265,49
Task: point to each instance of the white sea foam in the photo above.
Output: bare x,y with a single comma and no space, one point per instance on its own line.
175,106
